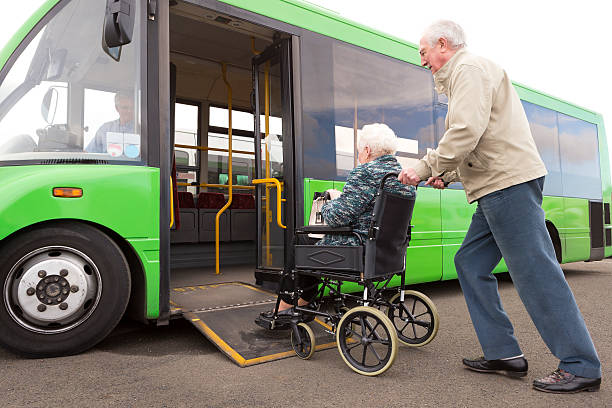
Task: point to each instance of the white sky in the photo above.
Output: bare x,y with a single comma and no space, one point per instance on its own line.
558,47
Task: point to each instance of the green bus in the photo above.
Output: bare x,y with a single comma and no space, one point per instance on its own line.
125,126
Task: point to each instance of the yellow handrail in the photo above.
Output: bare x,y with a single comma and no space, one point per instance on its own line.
229,161
216,149
171,203
278,196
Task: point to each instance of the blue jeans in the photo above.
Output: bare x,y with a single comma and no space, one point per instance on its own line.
510,223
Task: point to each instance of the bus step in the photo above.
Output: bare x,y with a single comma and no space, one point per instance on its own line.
225,313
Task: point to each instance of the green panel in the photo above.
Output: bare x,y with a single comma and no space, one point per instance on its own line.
124,199
310,187
426,217
339,185
456,215
575,232
18,37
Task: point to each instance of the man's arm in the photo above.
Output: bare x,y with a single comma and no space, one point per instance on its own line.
468,116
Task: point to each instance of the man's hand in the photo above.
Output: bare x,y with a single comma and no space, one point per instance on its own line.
435,182
409,176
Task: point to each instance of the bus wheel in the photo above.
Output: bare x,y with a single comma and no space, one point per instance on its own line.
65,286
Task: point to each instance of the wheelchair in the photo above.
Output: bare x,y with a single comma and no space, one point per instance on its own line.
367,327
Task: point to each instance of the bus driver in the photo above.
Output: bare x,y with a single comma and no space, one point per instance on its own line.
109,133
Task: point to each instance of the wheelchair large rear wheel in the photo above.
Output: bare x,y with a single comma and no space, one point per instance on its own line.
367,340
305,346
416,320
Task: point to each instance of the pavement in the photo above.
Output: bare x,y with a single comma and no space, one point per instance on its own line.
174,366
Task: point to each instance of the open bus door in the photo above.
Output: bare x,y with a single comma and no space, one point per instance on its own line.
274,160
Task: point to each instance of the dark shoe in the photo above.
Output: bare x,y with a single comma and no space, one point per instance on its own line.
270,314
562,382
516,367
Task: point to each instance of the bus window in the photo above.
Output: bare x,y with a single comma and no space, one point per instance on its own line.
345,87
543,124
65,98
186,133
579,158
243,164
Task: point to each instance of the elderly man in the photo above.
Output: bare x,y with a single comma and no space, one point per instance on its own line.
488,147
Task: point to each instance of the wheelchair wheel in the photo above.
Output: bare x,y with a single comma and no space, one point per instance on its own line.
367,340
306,348
416,320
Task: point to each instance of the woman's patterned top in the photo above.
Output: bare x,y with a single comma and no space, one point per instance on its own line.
356,204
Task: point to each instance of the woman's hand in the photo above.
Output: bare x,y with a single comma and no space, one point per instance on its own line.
333,193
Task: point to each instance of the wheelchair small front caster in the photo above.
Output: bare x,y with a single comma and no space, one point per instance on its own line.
304,343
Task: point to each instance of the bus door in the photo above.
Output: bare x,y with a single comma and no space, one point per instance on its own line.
274,172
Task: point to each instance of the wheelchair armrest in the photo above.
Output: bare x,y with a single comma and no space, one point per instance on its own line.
323,229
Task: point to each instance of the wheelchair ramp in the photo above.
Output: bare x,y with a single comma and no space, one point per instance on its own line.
225,314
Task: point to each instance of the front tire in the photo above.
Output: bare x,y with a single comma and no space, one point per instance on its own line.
64,287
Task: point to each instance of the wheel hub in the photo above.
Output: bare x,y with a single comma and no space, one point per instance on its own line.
53,289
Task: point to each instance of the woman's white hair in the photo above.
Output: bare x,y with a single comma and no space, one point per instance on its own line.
450,30
379,138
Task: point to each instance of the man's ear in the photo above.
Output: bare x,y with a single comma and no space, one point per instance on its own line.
443,44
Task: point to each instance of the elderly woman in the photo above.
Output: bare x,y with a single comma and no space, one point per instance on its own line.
376,146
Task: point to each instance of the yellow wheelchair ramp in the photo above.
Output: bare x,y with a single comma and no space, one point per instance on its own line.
225,313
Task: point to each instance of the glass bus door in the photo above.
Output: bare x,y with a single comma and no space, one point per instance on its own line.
274,159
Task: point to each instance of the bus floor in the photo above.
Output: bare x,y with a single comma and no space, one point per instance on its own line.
224,307
206,275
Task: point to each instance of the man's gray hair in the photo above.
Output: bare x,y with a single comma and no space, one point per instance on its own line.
451,31
379,138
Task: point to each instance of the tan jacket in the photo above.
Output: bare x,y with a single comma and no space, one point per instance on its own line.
487,144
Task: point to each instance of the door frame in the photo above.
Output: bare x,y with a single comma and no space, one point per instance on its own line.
282,50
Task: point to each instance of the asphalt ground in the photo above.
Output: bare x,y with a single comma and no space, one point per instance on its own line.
174,366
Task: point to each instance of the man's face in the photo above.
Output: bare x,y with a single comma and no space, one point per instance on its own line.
125,108
432,57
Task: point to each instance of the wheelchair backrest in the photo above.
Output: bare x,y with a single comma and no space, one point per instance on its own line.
385,249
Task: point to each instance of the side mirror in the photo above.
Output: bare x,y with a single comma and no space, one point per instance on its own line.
49,105
118,23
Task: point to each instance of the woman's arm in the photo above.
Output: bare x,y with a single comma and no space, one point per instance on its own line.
357,194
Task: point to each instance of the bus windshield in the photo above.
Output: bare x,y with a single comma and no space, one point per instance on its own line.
63,99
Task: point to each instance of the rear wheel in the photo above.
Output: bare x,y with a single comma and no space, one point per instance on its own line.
64,288
416,320
367,340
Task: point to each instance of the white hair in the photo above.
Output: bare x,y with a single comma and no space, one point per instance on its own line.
379,138
451,31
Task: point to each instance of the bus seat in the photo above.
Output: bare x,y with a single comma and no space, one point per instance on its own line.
187,231
208,205
243,221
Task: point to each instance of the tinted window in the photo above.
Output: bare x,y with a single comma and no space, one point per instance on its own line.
579,158
344,88
65,98
543,124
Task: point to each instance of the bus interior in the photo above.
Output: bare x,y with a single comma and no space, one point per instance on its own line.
204,44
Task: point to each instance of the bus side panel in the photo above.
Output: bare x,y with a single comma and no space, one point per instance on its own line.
456,219
555,213
310,187
424,256
124,199
575,234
